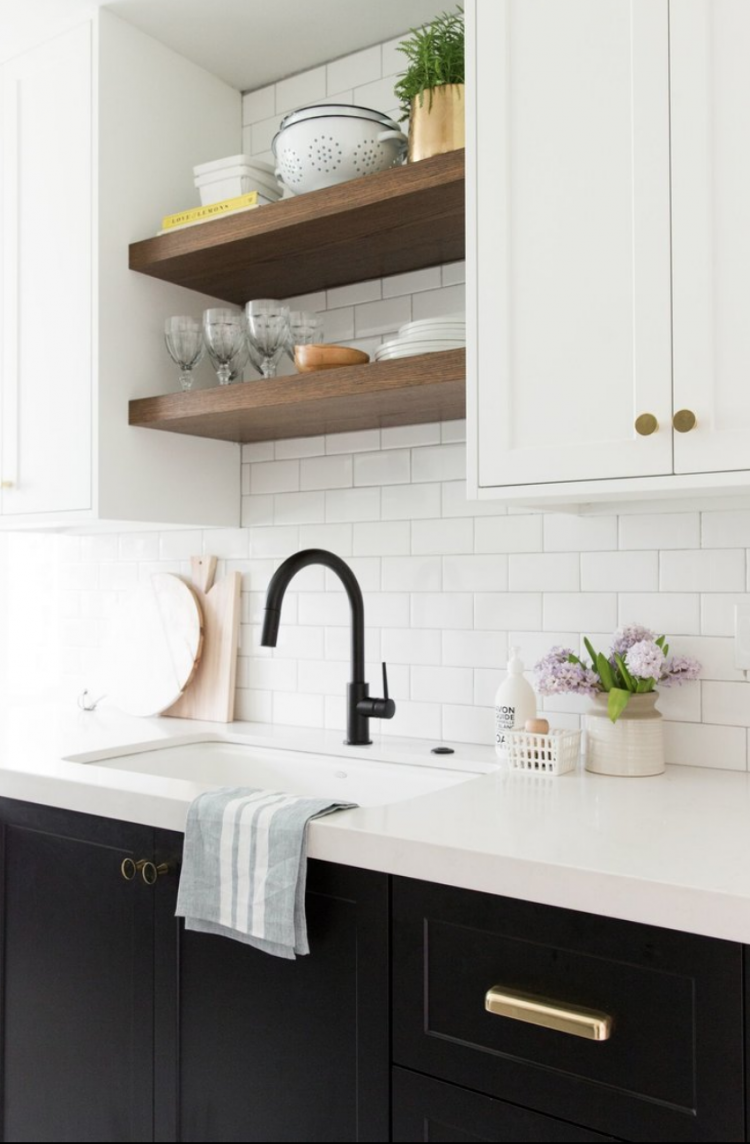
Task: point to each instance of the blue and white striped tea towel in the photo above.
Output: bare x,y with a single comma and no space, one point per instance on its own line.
245,866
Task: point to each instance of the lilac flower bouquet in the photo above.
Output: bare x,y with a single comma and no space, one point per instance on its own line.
638,662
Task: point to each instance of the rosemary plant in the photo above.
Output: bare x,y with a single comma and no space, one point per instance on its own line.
436,56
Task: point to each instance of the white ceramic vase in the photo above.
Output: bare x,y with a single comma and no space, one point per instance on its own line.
634,745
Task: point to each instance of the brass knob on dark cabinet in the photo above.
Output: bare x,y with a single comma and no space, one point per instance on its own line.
646,424
684,420
129,868
150,872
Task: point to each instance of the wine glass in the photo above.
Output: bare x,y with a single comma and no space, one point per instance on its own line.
306,329
184,341
236,365
268,333
224,334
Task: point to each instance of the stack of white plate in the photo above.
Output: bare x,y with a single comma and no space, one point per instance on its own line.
431,335
237,175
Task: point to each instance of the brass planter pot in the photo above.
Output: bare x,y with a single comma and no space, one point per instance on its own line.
437,122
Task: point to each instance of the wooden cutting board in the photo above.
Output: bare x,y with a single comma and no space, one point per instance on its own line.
210,694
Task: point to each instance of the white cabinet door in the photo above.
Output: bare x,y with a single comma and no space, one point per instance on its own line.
710,69
568,203
47,173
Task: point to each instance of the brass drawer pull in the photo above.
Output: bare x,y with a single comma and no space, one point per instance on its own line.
150,872
646,424
684,420
573,1019
129,868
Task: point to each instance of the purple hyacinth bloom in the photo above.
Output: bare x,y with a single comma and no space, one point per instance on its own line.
680,669
556,675
626,637
645,659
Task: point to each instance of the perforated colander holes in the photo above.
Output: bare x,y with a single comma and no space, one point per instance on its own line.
367,156
323,155
291,167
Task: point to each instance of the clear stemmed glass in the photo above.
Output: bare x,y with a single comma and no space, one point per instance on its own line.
184,341
305,329
268,333
236,365
224,333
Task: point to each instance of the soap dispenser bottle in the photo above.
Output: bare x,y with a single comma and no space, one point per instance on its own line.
515,702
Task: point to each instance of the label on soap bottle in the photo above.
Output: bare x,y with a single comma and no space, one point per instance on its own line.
505,718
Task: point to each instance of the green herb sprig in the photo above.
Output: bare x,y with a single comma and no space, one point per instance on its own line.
435,55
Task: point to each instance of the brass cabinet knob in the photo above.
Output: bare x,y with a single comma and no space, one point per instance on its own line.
150,872
6,485
646,424
129,868
684,420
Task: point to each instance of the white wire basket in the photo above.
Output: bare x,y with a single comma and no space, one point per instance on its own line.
552,754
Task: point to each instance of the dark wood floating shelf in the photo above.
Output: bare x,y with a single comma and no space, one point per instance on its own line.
404,219
430,387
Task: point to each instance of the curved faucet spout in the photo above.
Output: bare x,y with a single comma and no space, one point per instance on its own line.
280,582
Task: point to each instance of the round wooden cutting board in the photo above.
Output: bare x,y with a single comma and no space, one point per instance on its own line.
154,646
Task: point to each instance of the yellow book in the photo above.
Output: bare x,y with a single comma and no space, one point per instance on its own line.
215,210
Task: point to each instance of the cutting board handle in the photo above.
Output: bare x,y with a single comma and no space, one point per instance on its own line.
203,571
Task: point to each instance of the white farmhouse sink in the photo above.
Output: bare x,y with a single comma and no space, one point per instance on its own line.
223,763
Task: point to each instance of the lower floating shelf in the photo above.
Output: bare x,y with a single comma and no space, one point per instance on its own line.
408,391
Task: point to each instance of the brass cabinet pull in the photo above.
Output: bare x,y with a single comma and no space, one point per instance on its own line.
129,868
150,872
684,420
646,424
533,1010
7,485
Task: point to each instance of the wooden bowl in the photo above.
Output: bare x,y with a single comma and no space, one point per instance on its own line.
310,358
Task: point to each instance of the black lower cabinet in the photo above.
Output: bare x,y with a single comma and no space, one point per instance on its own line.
260,1048
76,978
425,1109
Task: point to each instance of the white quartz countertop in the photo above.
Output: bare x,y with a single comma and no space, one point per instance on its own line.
672,850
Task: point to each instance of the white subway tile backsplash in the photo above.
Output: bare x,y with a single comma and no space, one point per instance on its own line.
408,646
261,135
503,611
326,472
254,706
119,576
367,569
580,611
702,745
463,724
257,451
404,436
726,529
178,545
338,325
362,440
357,68
299,447
681,703
272,674
353,295
703,571
335,537
442,536
258,104
352,504
382,317
619,571
410,502
566,533
386,538
660,530
377,94
299,90
674,613
384,468
726,703
257,510
546,572
445,463
508,534
410,283
387,609
294,709
442,684
441,610
412,573
104,547
275,477
439,303
273,541
456,504
299,508
475,573
474,649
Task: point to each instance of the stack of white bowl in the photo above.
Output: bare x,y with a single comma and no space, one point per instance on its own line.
238,175
430,335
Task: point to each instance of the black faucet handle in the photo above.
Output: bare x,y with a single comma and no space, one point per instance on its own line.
384,708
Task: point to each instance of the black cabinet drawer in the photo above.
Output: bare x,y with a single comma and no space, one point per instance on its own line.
672,1067
429,1109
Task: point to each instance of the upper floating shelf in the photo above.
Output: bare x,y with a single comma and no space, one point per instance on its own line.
404,219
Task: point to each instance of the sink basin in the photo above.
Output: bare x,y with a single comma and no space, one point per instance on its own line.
221,763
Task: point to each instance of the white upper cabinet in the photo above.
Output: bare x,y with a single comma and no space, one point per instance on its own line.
607,260
710,81
100,128
572,259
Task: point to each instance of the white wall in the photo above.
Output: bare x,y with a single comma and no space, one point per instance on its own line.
448,584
